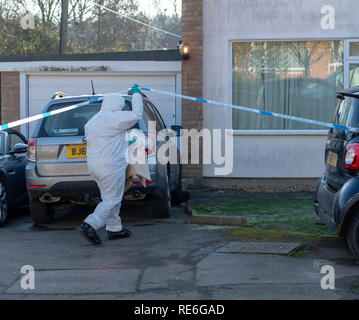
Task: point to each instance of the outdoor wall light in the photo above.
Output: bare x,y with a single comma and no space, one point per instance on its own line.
184,51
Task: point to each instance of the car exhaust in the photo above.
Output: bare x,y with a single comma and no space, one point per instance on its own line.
48,198
134,196
88,200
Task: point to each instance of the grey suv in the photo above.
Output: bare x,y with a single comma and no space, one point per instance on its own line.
57,174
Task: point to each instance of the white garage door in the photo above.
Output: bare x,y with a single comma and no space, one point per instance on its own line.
42,88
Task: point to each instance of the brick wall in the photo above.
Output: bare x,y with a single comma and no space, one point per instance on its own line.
10,97
192,35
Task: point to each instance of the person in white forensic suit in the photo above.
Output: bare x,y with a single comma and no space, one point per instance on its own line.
107,164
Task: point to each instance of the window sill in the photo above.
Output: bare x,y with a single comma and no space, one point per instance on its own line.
280,132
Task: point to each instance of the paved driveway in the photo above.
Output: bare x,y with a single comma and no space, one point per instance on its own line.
164,259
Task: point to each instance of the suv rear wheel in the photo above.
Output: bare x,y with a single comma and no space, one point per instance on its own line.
353,235
161,207
40,212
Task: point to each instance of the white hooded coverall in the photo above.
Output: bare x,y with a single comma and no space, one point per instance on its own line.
106,156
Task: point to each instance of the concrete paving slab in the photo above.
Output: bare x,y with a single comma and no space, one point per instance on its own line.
162,295
65,297
175,276
82,282
274,292
233,269
6,297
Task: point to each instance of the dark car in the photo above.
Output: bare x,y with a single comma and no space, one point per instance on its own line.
13,150
57,173
337,193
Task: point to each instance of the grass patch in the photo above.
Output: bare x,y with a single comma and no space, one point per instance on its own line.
272,219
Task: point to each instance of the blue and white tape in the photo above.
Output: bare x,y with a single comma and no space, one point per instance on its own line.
180,96
48,114
253,110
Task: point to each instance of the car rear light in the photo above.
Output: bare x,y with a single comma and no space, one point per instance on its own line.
31,151
351,157
149,183
36,187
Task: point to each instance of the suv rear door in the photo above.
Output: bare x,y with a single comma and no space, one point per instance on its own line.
61,144
347,114
174,167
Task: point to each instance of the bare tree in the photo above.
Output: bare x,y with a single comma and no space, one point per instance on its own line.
80,11
50,11
10,9
91,29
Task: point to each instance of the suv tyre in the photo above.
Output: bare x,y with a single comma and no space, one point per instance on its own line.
161,207
353,235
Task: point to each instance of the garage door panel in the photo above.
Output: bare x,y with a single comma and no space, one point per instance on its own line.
42,88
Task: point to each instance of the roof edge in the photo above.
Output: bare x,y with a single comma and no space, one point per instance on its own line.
147,55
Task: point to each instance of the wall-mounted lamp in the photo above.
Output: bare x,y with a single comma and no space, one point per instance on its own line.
184,50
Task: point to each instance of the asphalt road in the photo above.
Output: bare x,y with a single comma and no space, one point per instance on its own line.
164,259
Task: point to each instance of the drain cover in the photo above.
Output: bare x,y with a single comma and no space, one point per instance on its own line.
260,247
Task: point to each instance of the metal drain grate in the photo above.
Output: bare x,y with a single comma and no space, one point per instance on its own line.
260,247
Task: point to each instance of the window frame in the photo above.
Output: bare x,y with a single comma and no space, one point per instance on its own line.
278,132
348,60
347,49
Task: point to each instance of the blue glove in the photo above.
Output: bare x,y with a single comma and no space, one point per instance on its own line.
136,89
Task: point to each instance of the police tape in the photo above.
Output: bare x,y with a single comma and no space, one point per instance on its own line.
48,114
180,96
253,110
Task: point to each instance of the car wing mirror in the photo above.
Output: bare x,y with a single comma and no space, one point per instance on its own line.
19,148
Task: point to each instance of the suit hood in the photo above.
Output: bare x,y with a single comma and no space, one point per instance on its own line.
113,102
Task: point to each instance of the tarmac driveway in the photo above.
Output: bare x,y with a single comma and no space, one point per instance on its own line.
164,259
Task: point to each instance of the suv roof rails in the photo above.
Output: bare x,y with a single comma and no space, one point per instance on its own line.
59,95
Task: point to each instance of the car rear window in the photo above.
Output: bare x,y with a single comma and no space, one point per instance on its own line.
347,113
72,123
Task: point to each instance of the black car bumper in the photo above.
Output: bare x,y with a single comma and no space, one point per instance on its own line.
325,198
335,207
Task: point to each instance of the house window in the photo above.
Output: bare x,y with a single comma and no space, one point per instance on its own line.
354,75
298,78
354,49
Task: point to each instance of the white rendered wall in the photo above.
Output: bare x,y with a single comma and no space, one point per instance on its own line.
272,155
